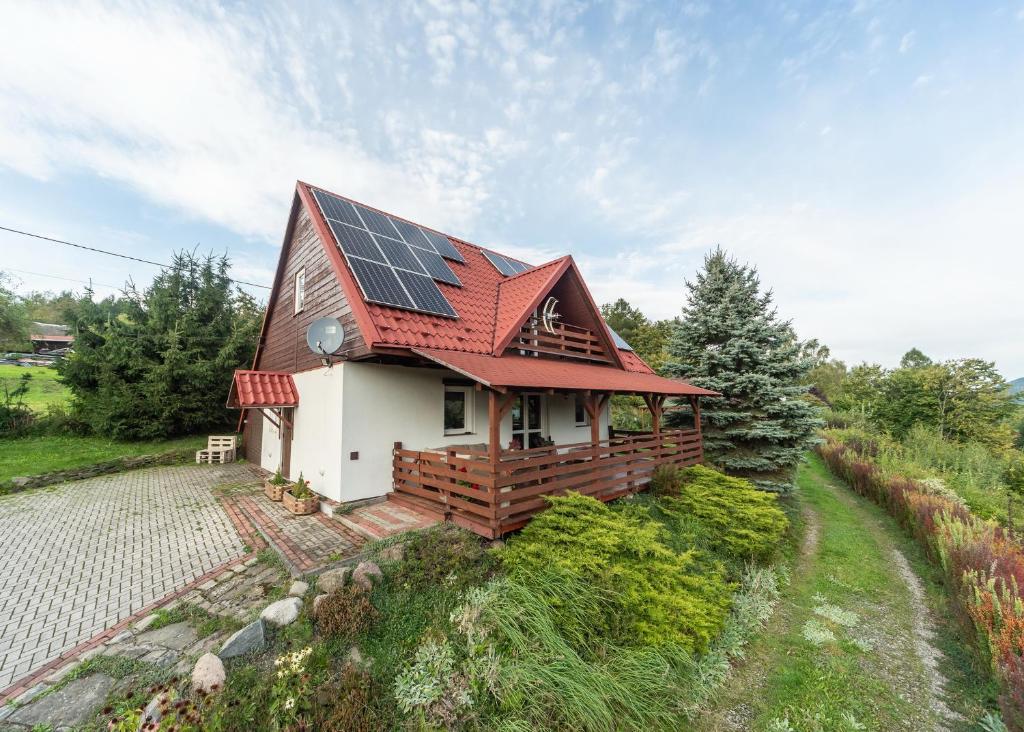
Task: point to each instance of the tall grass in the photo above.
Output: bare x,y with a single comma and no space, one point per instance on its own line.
982,564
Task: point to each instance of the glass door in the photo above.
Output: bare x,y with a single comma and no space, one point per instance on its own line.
528,420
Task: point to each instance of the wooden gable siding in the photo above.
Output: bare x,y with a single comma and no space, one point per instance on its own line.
284,345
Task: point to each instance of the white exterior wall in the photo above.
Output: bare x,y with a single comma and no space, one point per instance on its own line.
317,437
366,408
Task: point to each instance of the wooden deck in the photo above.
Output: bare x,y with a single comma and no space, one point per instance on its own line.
494,498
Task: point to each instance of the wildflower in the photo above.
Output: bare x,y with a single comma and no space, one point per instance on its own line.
289,703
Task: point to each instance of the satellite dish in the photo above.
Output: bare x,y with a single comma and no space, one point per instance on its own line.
549,316
325,336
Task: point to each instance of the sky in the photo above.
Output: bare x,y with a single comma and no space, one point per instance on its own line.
867,157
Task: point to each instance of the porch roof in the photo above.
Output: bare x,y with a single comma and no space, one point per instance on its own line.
258,389
528,372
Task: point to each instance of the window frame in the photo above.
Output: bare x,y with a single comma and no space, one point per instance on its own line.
299,291
577,403
469,412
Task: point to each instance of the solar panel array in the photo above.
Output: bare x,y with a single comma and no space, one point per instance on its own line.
506,265
620,342
394,262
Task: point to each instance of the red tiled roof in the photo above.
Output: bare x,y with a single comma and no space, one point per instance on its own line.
262,389
518,296
488,304
541,373
632,362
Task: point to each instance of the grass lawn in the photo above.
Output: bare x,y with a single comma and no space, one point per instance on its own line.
44,388
34,455
840,652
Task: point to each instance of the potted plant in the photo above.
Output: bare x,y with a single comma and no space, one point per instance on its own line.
300,500
274,487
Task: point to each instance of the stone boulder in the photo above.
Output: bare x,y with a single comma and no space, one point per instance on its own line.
298,588
318,600
249,639
394,553
208,673
283,612
332,580
365,574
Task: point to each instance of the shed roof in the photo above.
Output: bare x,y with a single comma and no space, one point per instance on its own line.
262,389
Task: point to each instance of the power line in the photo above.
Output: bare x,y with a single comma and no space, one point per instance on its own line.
112,254
58,277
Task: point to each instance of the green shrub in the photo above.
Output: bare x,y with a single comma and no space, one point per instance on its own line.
444,555
655,596
742,522
345,613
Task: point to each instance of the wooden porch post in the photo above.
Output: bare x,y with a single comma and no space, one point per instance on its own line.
594,403
695,406
656,405
493,427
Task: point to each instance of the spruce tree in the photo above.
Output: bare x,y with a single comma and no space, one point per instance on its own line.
732,341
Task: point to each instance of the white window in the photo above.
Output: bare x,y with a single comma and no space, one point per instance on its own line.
458,410
300,290
582,418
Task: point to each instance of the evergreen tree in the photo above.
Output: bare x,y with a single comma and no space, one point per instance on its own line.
160,363
731,340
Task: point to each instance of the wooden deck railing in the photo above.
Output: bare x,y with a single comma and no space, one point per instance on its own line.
495,498
567,341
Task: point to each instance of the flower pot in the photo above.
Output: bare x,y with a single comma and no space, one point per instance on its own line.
273,491
301,506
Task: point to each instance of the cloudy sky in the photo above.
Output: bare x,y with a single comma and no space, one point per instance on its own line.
867,156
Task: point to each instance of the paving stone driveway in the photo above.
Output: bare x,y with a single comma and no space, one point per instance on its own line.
78,558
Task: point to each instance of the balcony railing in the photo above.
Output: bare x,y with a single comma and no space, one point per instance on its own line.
495,498
567,341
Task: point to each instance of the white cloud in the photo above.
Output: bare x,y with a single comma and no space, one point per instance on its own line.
190,112
922,81
907,42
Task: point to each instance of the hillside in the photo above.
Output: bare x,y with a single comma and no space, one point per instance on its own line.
1017,385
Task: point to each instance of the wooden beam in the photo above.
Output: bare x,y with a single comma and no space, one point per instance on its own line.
493,427
695,406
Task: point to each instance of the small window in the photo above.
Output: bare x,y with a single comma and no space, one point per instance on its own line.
458,410
300,290
582,418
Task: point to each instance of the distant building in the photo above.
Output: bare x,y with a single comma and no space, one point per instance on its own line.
47,337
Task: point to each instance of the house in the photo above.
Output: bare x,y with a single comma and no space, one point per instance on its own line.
468,383
47,337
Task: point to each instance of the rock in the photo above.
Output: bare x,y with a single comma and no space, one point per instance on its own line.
332,580
364,574
282,612
298,588
153,712
317,601
394,553
175,636
496,544
71,706
355,658
247,640
20,481
208,674
146,622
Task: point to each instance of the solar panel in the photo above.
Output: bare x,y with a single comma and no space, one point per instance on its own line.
425,294
378,223
442,246
412,234
391,271
619,342
437,267
517,265
337,209
398,254
357,242
380,283
500,263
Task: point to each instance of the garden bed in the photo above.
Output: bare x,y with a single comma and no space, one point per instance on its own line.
595,617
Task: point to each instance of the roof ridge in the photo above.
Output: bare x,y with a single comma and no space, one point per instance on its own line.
531,270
